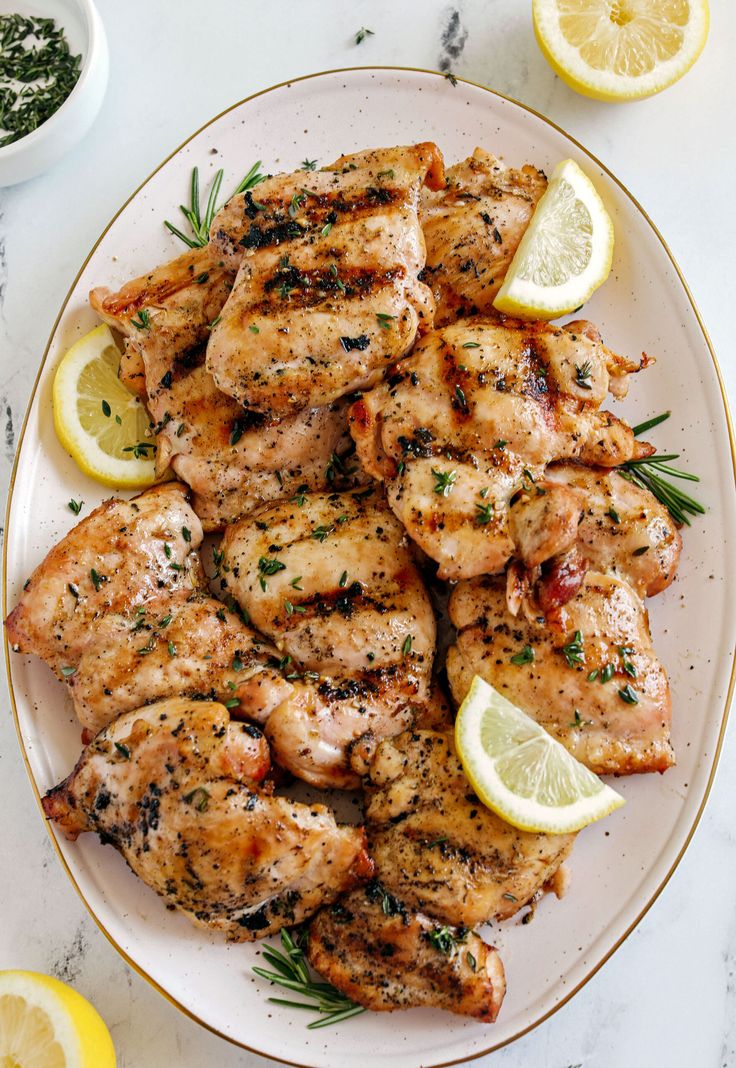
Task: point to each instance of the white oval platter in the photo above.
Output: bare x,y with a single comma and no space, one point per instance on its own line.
619,865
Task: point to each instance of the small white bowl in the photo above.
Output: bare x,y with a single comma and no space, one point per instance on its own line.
84,31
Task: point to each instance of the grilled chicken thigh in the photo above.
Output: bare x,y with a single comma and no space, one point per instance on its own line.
185,644
122,555
232,458
174,787
330,579
623,528
589,673
327,293
384,957
472,228
435,845
472,418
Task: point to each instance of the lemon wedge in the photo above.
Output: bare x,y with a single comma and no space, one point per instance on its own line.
103,426
620,49
566,252
46,1024
520,772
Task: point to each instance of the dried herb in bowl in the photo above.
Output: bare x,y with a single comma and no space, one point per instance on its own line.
37,74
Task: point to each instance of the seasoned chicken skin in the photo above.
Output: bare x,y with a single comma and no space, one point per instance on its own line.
436,846
120,556
472,228
605,696
384,957
330,579
180,644
623,528
472,418
174,787
327,293
232,458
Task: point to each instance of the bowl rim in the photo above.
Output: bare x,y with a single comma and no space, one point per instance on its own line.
91,53
4,607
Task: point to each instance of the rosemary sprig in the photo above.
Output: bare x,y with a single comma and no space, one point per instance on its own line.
291,972
651,473
200,222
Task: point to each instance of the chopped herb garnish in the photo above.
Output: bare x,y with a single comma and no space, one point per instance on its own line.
295,583
97,579
267,565
186,534
321,532
37,73
237,664
628,695
500,444
484,513
607,673
471,345
325,231
75,506
526,656
442,939
67,672
362,33
614,515
582,374
384,320
472,964
123,750
140,450
143,322
579,722
343,580
641,550
406,647
172,649
625,652
444,482
254,329
573,652
106,409
460,396
309,165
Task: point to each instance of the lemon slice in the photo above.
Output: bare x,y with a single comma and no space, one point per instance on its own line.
620,49
99,422
46,1024
565,253
521,772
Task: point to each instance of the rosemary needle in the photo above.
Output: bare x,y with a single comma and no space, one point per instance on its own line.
650,473
200,223
292,973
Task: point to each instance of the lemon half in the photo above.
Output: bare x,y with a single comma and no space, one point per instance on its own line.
46,1024
103,426
620,49
520,772
566,252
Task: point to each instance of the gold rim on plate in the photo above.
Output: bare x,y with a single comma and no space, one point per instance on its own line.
732,681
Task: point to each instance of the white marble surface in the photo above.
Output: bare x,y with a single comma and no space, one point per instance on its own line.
669,995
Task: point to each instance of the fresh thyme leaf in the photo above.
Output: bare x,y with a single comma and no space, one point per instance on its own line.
451,78
443,939
384,320
573,652
309,165
67,672
628,695
444,482
526,656
406,647
614,515
140,450
484,513
75,506
582,374
123,750
362,33
143,322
